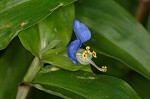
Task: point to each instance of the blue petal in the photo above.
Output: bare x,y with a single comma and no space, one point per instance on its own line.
82,32
72,50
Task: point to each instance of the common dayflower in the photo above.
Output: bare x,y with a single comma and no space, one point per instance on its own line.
77,54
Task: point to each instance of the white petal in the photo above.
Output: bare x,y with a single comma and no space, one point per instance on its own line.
81,59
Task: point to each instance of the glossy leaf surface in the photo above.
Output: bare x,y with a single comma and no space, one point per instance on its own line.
115,33
17,15
54,31
81,85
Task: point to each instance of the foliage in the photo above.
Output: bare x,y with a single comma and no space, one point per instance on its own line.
34,35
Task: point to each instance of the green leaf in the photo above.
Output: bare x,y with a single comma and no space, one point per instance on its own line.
82,85
148,24
38,94
140,84
130,5
12,69
116,34
17,15
61,60
114,67
53,32
49,38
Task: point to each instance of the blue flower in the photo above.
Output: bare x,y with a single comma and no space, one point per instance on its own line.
75,53
82,34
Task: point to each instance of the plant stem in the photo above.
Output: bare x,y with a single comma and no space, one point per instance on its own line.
33,69
142,10
23,89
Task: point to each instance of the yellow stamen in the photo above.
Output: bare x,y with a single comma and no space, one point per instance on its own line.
94,54
89,52
87,48
84,55
104,68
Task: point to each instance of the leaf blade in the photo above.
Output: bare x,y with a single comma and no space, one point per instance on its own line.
20,16
54,31
82,84
12,69
113,35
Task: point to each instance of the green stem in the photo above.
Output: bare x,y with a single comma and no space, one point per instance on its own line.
31,73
